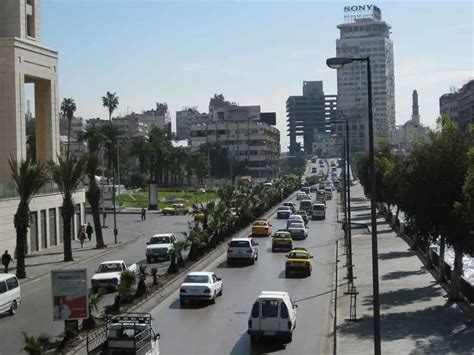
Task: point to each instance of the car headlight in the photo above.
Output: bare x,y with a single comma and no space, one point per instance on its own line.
207,290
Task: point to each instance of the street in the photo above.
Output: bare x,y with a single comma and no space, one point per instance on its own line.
35,312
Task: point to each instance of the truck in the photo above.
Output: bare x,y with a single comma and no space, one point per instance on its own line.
128,333
109,273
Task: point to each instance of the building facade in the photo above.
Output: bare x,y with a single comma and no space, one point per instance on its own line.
185,119
24,60
366,35
459,106
132,126
158,117
250,141
308,114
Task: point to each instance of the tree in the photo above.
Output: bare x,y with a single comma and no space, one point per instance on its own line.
68,107
68,175
139,148
28,179
111,134
111,101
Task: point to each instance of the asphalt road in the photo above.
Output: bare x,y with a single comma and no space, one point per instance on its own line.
35,312
221,328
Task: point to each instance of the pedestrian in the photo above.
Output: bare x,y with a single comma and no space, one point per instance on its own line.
89,231
6,260
143,214
82,236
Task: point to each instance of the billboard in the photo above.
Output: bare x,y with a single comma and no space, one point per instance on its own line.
70,297
268,118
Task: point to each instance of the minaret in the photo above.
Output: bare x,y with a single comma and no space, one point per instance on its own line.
415,115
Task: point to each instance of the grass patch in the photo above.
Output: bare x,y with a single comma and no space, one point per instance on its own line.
165,198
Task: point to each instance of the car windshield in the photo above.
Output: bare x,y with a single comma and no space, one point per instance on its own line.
197,279
297,255
160,240
109,268
297,225
239,244
260,223
282,235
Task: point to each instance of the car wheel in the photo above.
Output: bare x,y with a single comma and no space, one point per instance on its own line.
289,338
252,262
221,291
13,308
253,339
273,249
182,303
213,299
256,256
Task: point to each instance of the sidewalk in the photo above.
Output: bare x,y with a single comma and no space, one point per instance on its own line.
414,315
41,263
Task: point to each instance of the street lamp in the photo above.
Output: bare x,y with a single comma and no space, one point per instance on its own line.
338,63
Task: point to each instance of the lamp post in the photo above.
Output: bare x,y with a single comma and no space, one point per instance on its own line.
338,63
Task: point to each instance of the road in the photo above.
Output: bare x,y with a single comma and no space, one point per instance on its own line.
221,328
35,312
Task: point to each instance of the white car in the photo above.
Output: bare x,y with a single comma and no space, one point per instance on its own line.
200,286
159,247
298,230
294,218
108,274
242,249
10,293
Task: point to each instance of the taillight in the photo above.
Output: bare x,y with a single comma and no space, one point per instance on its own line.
289,325
250,323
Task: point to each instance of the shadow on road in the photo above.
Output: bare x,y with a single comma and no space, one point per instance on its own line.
235,265
404,296
189,305
396,255
264,346
294,275
399,274
435,330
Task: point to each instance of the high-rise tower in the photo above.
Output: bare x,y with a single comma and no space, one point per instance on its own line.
415,115
364,34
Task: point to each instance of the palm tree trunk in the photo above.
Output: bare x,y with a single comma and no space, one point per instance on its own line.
21,221
441,268
456,274
93,197
67,213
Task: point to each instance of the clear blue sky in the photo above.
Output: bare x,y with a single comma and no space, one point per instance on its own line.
253,52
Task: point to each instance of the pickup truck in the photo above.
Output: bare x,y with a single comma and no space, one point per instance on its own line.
108,274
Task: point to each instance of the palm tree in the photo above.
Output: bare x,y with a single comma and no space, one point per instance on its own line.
68,175
139,148
68,107
111,101
204,211
93,135
28,179
111,133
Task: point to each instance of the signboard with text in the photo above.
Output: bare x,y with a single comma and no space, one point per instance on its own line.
70,297
355,12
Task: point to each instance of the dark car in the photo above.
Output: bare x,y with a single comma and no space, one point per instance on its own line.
284,212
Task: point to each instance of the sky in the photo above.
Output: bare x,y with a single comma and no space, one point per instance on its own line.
253,52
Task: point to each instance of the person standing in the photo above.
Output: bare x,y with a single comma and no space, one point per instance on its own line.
6,260
82,236
89,231
143,214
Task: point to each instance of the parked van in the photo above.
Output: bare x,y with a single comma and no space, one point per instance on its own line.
306,205
10,294
273,315
319,211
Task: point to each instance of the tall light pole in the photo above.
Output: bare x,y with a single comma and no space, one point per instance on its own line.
338,63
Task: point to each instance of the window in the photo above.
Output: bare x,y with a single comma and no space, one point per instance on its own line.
52,227
12,283
255,310
283,311
269,308
3,287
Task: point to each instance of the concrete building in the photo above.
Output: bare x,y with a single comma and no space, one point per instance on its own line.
185,119
222,110
327,145
24,60
459,106
132,126
308,114
159,117
250,141
364,34
411,131
76,148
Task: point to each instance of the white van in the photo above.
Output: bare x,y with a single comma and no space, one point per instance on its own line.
319,211
10,294
273,315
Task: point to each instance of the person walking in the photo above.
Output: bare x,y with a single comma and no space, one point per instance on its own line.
6,260
82,236
143,214
89,231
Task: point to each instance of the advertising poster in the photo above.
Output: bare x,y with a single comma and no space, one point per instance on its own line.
69,289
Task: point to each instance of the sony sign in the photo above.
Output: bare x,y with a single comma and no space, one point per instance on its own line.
362,11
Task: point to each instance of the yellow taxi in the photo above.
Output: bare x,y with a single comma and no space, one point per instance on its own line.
304,214
298,261
282,240
261,228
